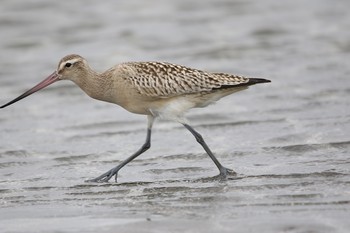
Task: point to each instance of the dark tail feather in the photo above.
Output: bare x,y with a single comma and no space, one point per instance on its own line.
252,81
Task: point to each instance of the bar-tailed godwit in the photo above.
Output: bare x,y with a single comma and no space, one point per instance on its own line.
154,89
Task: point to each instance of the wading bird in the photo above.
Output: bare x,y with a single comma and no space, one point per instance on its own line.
154,89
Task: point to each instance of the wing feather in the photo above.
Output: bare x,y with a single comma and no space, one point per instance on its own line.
160,79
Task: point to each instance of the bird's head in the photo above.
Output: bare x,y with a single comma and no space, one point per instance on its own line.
70,67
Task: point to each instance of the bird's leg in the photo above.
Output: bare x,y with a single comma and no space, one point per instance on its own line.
223,170
114,171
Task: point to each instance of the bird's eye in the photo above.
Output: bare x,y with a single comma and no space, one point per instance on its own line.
68,64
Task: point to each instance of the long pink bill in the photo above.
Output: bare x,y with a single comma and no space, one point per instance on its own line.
49,80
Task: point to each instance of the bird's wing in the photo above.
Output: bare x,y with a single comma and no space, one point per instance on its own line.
160,79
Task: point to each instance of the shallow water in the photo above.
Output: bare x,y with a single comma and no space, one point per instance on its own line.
288,140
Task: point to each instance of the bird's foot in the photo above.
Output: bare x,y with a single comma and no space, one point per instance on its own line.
224,172
105,177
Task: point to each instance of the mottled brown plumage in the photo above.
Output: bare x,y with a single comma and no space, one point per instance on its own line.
161,79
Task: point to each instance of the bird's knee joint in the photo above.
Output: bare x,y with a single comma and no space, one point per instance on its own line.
146,146
199,138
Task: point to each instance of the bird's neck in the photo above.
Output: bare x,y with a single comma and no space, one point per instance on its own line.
93,84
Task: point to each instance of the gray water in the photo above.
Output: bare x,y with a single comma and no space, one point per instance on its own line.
287,140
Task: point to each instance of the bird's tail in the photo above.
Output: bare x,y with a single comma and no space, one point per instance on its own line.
253,81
